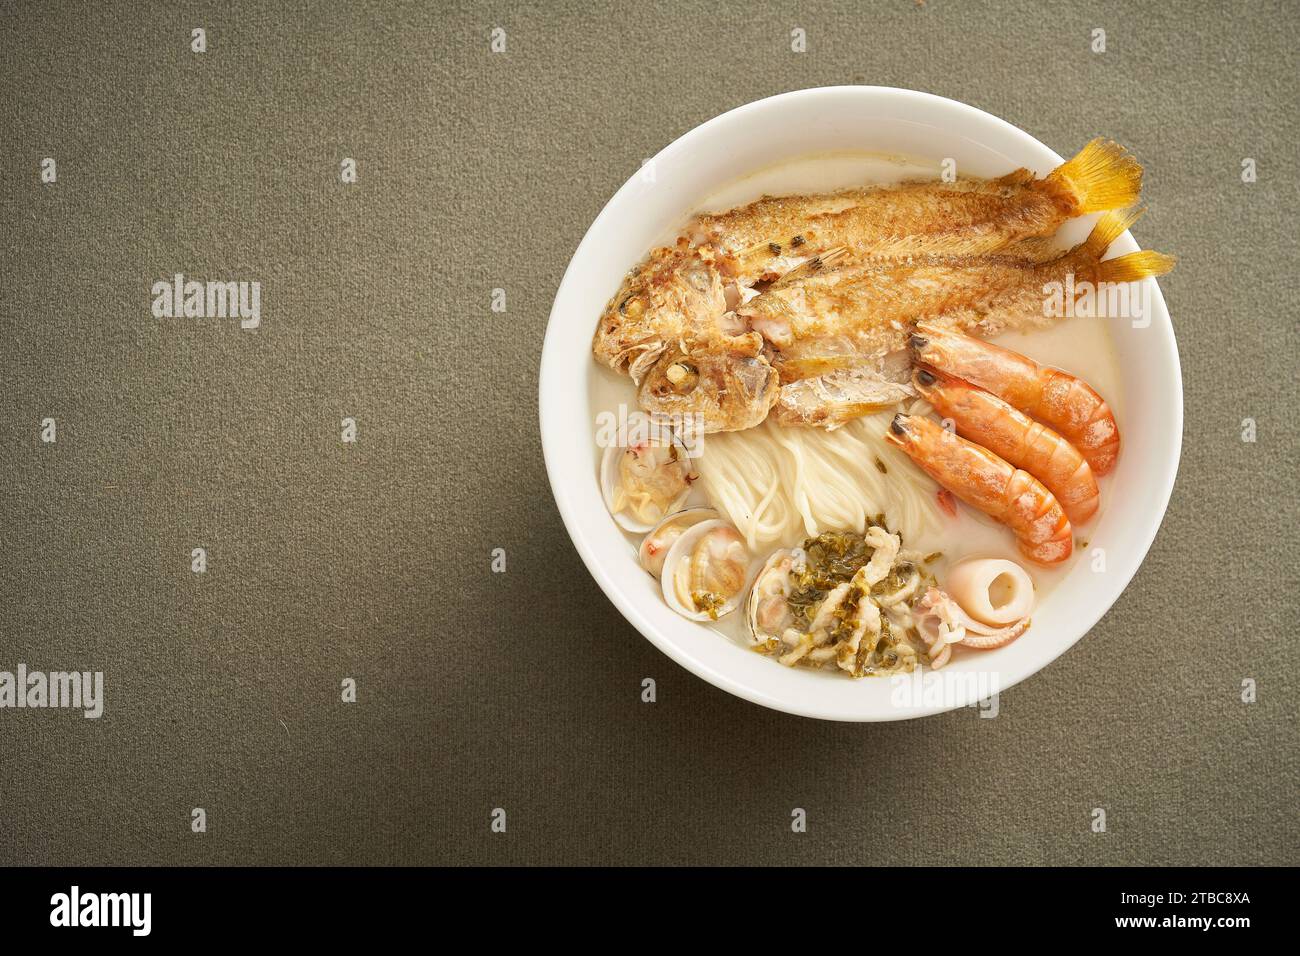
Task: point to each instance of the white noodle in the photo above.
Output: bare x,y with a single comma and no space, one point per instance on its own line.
778,485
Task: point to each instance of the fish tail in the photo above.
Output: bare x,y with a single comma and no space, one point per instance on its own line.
1129,268
1107,229
1134,266
1102,176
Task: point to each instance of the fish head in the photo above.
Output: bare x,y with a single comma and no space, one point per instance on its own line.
661,302
728,386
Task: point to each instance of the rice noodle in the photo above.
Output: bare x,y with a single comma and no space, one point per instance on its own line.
779,484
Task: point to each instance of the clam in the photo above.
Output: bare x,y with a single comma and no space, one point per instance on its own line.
645,481
767,608
655,545
705,571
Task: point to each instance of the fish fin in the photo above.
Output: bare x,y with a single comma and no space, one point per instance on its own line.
1134,266
1109,228
811,267
798,369
1033,249
1102,176
1128,268
1017,177
830,400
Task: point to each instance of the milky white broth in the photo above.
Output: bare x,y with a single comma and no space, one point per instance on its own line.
1081,346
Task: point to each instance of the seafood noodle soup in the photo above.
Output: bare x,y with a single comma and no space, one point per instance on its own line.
821,460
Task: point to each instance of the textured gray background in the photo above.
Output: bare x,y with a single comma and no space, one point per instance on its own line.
521,690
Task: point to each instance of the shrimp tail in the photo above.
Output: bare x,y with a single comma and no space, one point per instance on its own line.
1102,176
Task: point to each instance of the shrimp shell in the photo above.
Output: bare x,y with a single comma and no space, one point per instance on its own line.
1007,432
1068,404
983,480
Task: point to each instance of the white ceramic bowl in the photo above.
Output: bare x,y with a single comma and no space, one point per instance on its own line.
641,213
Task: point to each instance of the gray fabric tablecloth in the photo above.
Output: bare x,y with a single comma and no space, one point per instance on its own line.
371,560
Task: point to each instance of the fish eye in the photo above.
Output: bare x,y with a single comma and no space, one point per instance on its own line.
683,376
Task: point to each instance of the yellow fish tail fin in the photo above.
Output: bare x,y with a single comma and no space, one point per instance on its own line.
1102,176
1109,228
1134,266
1129,268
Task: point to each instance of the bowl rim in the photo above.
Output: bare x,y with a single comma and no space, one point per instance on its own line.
551,365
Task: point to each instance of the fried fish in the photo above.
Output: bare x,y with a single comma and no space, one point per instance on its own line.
822,321
752,302
871,301
966,217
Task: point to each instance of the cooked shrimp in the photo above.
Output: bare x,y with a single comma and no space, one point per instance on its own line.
983,480
1009,433
1056,398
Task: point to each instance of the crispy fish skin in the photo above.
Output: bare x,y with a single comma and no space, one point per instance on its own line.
845,315
968,217
841,317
